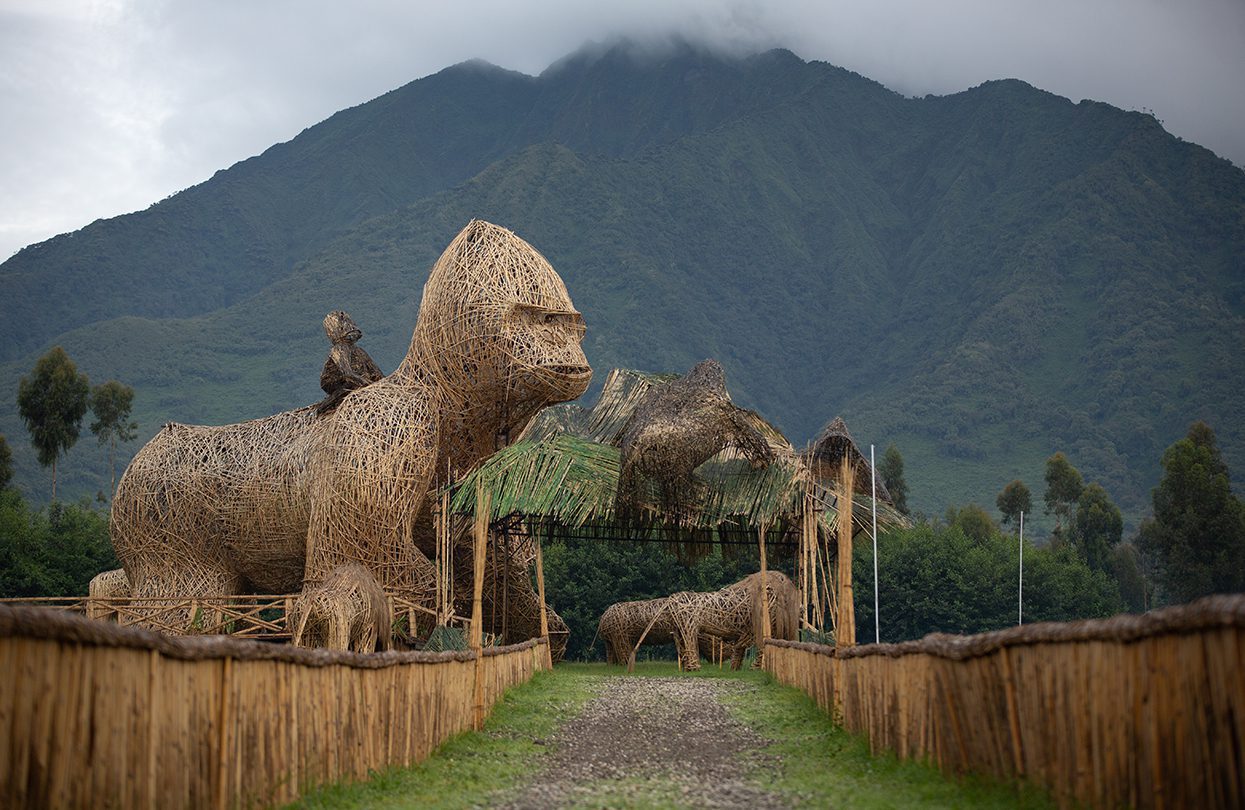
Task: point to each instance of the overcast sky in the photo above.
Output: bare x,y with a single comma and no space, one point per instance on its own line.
109,106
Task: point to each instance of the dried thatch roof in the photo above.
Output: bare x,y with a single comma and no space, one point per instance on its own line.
827,452
561,477
674,429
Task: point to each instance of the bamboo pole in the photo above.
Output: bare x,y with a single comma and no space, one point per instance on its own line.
544,611
153,666
477,612
765,625
845,631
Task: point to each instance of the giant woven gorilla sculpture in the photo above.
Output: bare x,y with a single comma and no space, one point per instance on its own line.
276,504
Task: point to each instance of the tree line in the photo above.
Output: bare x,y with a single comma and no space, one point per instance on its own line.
1192,545
55,551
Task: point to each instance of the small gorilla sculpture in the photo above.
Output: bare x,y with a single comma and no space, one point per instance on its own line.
347,367
347,611
275,504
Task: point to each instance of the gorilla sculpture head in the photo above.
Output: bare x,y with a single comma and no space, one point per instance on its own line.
498,332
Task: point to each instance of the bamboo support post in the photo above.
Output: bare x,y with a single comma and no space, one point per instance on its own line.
477,611
845,631
765,624
544,610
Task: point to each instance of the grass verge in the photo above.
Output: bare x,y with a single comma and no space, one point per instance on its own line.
815,763
466,769
810,761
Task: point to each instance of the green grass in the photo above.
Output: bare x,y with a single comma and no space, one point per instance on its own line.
821,765
466,769
810,761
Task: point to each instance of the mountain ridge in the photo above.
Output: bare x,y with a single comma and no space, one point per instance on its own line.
983,278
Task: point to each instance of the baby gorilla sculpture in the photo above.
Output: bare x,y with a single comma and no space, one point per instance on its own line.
274,505
348,367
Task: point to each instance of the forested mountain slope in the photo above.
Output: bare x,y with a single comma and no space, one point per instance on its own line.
982,278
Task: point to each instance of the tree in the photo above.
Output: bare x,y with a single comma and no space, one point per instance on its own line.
936,578
891,470
1126,566
52,401
1098,527
1197,536
6,463
111,403
1063,488
1014,499
51,552
974,521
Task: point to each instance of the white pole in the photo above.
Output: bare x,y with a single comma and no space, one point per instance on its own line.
877,631
1020,615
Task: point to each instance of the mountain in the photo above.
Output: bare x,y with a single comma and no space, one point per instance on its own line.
981,278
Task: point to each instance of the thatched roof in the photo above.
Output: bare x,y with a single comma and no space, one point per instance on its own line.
674,429
827,452
561,477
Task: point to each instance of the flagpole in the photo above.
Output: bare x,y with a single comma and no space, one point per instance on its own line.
1020,613
877,625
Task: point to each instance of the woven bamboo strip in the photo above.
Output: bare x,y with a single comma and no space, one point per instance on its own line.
1142,711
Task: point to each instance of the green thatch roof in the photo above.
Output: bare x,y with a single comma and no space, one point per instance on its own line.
572,482
562,476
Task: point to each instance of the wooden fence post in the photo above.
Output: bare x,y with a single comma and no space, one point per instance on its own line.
765,595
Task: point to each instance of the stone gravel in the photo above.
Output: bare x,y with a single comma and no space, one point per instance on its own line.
652,742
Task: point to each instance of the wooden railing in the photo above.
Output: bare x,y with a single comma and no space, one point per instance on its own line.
1138,711
97,715
246,616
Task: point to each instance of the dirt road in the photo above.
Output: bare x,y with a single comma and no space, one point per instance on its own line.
652,741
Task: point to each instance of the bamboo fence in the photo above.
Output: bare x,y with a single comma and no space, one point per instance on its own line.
95,715
1140,711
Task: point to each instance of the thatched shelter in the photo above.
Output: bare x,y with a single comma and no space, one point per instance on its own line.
677,427
563,477
833,445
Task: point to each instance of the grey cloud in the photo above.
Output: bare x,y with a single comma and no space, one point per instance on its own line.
110,106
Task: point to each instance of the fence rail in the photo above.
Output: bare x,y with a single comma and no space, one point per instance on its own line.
1142,711
96,715
260,616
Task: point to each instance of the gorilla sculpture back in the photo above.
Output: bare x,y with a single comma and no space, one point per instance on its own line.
275,504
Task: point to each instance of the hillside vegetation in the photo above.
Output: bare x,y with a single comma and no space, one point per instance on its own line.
981,278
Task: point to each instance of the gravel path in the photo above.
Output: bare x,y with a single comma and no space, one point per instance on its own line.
651,741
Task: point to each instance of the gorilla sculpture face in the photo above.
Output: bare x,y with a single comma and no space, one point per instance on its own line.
497,327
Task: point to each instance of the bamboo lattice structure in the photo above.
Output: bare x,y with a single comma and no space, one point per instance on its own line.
108,585
734,615
674,429
276,504
624,626
737,615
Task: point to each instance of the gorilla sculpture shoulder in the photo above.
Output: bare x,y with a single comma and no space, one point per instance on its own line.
275,504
